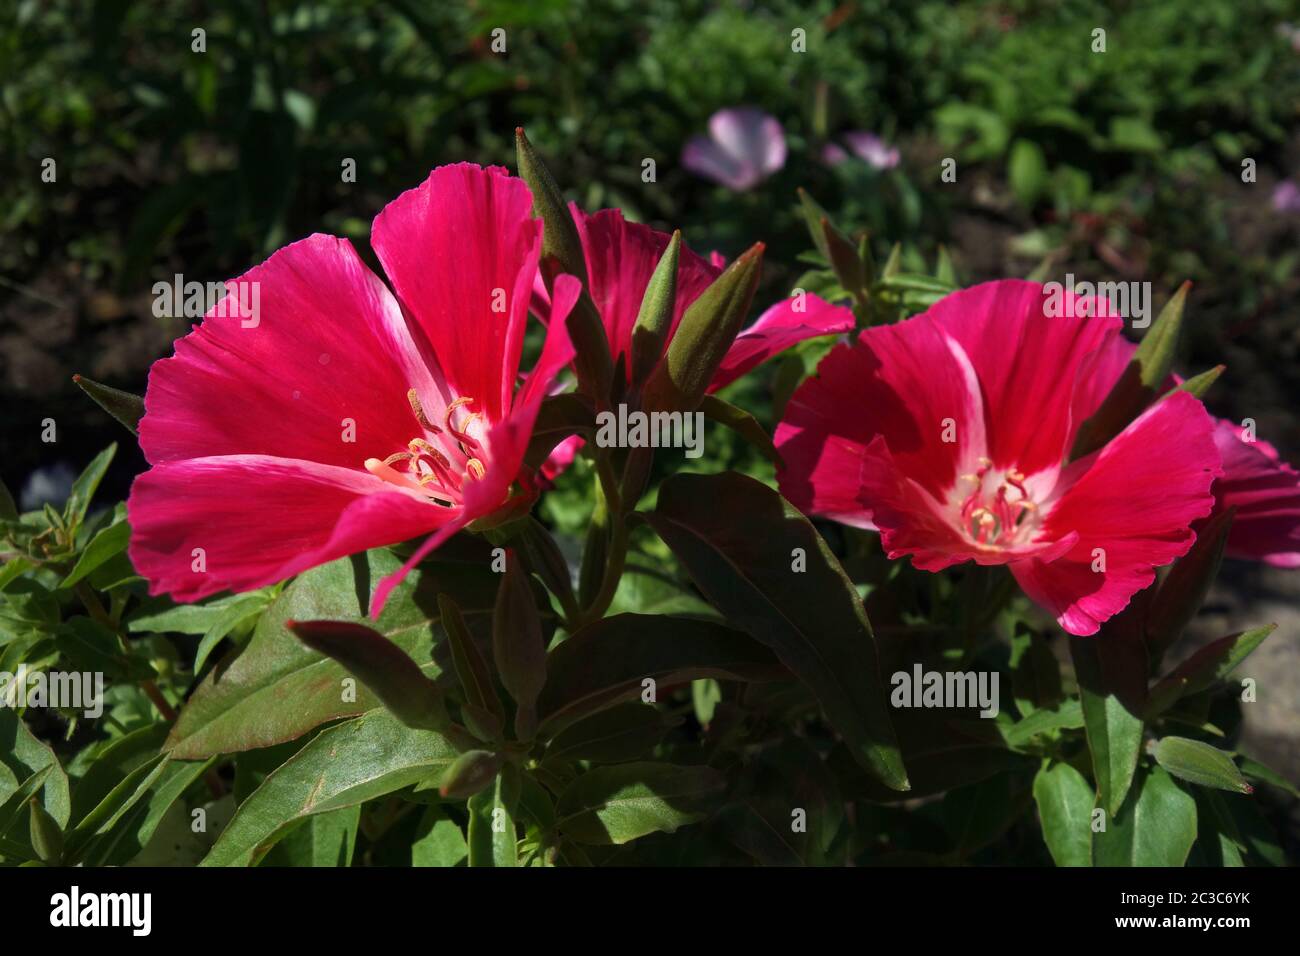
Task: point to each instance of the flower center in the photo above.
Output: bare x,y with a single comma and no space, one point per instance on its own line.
437,473
997,510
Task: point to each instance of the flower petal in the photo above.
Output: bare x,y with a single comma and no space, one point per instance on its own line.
706,158
1028,357
260,519
461,251
1133,504
326,345
1266,493
621,257
780,327
751,137
908,383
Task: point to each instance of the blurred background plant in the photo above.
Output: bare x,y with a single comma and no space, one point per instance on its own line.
1126,164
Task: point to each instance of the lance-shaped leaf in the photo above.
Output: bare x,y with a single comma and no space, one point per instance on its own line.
705,332
1198,762
1113,727
1140,382
1064,800
46,834
472,771
547,562
1211,663
382,666
624,732
1184,589
518,646
562,252
344,765
654,320
128,409
742,423
614,805
493,840
845,262
814,215
84,488
483,712
612,660
1198,385
764,566
1155,827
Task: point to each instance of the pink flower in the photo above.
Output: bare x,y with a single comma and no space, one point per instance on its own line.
949,434
339,416
744,147
1286,197
1266,493
868,147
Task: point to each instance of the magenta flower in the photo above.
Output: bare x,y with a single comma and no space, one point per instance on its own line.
868,147
744,147
1266,493
621,257
342,417
949,432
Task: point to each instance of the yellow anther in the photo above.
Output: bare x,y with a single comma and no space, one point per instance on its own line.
475,468
418,409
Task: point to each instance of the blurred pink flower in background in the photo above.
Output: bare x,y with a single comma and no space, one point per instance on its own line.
868,147
744,147
1286,197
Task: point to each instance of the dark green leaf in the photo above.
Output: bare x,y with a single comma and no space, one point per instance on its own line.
741,542
518,646
128,409
614,805
1156,826
623,732
1198,762
742,423
1065,802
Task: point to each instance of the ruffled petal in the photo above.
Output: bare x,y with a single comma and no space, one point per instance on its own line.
461,251
259,520
1132,503
780,327
324,357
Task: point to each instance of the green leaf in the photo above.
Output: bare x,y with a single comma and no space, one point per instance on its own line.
83,489
1210,664
239,704
742,423
107,543
545,559
1141,380
1027,171
231,618
438,840
342,766
615,805
1198,762
607,662
1068,715
1183,590
1065,802
814,215
787,809
482,709
623,732
981,813
493,838
741,542
24,755
705,333
1114,731
1035,672
518,646
128,409
382,666
654,319
1156,826
559,417
326,840
1261,774
844,260
8,508
46,834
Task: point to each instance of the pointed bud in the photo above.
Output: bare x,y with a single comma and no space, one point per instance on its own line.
1141,381
382,666
128,409
470,773
703,336
655,319
844,261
